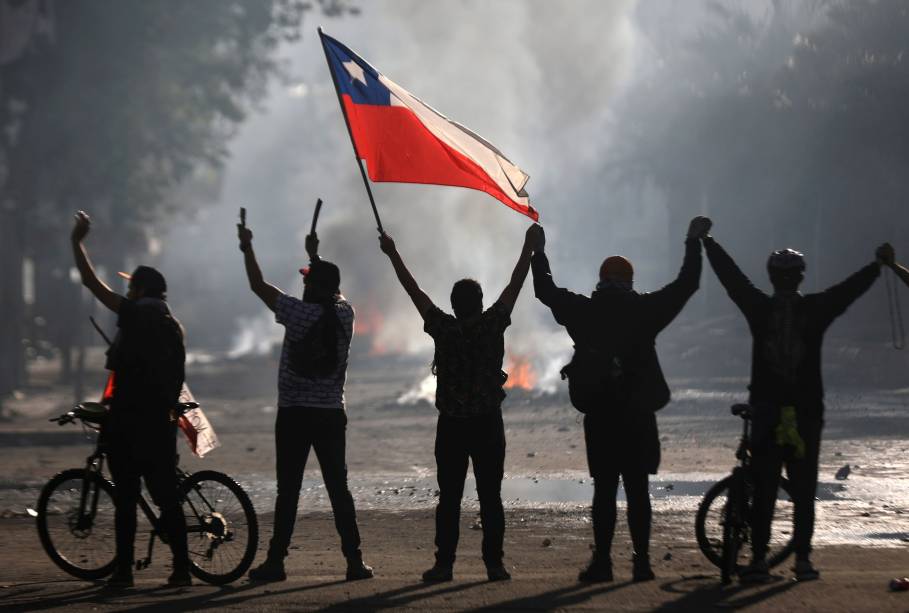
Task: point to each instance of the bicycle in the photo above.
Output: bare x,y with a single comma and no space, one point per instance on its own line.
75,516
723,521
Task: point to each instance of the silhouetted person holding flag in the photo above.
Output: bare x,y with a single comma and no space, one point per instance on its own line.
311,414
786,390
139,433
616,379
469,350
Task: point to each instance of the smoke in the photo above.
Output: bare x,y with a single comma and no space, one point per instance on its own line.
533,78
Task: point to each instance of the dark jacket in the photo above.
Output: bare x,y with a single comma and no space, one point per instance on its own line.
626,323
787,332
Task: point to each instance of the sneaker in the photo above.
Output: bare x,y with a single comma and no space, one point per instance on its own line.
269,570
598,571
805,571
640,570
437,574
120,580
756,572
357,570
180,579
497,573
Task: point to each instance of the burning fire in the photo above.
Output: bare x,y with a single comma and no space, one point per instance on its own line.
369,323
521,374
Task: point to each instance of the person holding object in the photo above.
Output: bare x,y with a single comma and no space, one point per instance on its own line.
786,390
469,350
139,434
887,256
616,380
311,412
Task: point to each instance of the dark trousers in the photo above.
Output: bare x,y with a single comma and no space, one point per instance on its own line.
481,440
137,450
297,429
612,452
767,461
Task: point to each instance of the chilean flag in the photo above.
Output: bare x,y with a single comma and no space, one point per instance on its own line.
406,141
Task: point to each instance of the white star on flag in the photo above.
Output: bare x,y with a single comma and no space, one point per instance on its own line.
355,71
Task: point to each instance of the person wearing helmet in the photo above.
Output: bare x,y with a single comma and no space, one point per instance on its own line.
311,414
614,331
786,390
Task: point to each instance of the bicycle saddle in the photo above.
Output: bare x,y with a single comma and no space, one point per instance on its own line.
93,412
742,410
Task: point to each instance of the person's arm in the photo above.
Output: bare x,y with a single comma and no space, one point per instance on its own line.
98,288
510,294
267,292
559,300
887,256
666,302
838,298
417,295
739,287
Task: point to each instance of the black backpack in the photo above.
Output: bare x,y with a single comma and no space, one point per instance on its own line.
315,356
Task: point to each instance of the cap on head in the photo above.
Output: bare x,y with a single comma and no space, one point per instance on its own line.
617,268
786,260
323,273
148,281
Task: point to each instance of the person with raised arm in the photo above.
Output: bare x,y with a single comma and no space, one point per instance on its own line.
615,379
786,390
469,351
147,358
311,411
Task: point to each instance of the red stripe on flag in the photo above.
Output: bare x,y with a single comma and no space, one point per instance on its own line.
398,148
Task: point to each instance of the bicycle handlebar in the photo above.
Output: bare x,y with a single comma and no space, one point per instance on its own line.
95,412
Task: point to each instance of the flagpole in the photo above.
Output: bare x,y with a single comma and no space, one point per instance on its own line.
353,143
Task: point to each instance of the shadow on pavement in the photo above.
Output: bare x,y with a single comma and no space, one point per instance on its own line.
556,599
400,597
713,594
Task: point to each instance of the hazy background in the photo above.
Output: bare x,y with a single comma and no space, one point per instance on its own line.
783,121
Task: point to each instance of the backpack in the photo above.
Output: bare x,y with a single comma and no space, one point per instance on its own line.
315,356
595,380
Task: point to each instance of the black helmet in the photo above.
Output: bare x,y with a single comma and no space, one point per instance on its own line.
786,260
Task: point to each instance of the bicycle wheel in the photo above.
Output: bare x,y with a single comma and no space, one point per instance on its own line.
223,531
710,525
76,523
732,545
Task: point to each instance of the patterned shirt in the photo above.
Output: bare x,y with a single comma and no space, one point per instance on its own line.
468,360
297,317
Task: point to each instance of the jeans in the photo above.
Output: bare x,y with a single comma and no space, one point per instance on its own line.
297,429
767,461
613,451
481,440
135,450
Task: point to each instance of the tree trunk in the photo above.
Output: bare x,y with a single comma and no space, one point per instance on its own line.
12,357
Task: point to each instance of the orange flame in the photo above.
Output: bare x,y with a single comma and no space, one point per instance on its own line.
520,373
369,323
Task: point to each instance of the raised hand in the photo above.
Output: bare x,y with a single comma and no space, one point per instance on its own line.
81,226
312,245
245,236
699,227
387,244
535,238
885,254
